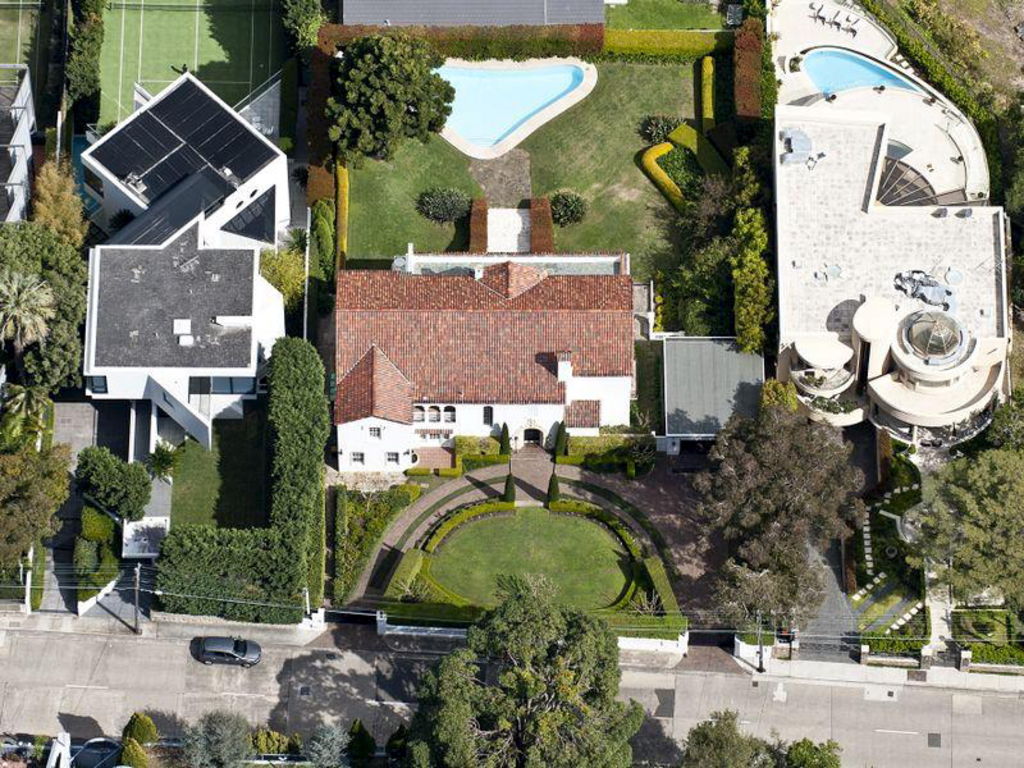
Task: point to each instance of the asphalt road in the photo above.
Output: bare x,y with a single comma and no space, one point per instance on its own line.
90,684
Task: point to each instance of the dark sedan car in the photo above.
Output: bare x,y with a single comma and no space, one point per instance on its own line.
228,650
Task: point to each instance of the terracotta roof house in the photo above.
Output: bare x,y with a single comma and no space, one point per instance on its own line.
421,358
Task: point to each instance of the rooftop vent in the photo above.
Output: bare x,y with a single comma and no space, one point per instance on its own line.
186,340
182,326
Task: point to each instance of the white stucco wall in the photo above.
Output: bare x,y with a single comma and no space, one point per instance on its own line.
354,437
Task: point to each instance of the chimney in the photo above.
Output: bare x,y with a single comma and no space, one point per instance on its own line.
564,366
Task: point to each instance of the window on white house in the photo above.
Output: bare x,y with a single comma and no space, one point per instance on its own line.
449,413
358,458
433,413
392,458
375,432
488,416
96,384
417,413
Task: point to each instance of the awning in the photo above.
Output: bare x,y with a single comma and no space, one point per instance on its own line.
824,351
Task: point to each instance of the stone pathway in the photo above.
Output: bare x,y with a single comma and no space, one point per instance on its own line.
505,180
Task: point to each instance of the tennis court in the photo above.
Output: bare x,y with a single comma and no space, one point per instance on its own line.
231,45
21,36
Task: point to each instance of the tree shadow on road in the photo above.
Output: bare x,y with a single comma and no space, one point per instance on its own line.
169,725
653,746
79,727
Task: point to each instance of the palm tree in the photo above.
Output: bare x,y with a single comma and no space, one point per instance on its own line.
26,304
24,412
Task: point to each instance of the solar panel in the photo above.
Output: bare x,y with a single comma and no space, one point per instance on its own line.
184,131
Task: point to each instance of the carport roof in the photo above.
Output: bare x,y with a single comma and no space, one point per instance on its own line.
706,381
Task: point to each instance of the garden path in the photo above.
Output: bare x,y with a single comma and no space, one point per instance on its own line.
504,180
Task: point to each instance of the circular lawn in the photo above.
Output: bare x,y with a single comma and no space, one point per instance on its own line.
586,564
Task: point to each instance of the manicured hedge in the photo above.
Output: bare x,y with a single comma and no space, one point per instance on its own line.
683,43
747,56
985,120
238,574
469,463
707,156
341,185
106,570
707,94
470,445
469,42
96,525
454,520
660,583
988,653
478,226
542,226
582,446
406,573
661,180
603,516
299,428
360,520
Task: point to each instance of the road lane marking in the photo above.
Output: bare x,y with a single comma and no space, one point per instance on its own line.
90,687
902,733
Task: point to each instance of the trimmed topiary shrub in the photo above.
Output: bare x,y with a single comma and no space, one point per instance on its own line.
655,129
140,727
443,204
542,228
509,493
86,557
554,492
478,226
504,444
561,440
567,208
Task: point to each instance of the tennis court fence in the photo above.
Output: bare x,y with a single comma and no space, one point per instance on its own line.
242,6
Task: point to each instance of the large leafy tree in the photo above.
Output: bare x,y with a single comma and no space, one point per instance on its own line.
536,687
24,414
778,483
719,743
303,19
806,754
386,90
33,485
31,249
972,528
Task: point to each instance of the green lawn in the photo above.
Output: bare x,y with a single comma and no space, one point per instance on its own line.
649,376
23,40
662,14
226,486
585,563
383,219
594,149
231,47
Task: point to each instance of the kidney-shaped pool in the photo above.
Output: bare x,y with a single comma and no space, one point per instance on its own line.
833,70
498,104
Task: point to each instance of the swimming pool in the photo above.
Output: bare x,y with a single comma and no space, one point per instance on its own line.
833,70
492,103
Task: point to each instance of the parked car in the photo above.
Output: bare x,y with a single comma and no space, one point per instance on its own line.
228,650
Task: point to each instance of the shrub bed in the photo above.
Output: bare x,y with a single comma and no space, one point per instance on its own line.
685,44
652,167
360,521
707,156
469,42
405,574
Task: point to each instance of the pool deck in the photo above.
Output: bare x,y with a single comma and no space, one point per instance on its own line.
947,149
551,111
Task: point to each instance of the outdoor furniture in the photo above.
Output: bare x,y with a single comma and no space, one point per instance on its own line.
852,26
821,15
815,9
834,21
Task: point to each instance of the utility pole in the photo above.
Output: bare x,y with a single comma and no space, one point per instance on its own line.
138,569
305,599
760,645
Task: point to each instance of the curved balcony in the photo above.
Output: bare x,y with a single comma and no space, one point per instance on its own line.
815,382
844,411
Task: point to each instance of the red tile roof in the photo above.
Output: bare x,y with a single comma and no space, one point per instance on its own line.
583,413
375,387
455,339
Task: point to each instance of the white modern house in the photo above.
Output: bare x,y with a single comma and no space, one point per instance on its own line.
17,122
183,153
179,320
893,299
423,357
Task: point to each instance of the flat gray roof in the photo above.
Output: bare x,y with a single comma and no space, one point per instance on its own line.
707,380
454,13
142,291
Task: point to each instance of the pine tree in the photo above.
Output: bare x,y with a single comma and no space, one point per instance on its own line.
510,489
133,755
140,727
562,440
361,744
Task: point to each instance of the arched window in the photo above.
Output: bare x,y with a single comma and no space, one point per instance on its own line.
417,413
449,414
433,413
488,416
